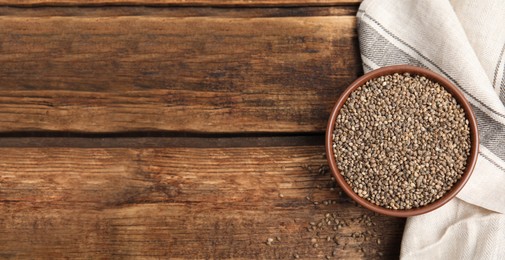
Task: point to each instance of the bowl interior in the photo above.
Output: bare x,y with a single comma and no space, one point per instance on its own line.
474,138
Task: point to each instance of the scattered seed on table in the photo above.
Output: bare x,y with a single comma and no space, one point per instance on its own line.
401,141
269,241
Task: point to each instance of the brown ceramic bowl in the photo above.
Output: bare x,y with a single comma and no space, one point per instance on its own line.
449,87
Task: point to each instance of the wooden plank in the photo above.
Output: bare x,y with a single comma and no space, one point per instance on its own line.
181,203
238,3
150,73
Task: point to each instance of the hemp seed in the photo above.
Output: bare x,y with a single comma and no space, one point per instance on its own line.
401,141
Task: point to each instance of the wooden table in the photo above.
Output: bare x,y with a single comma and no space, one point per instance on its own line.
177,129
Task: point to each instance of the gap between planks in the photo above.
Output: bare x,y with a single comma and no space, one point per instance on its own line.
154,140
116,11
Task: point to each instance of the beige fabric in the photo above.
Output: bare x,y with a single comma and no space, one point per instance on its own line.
463,41
458,230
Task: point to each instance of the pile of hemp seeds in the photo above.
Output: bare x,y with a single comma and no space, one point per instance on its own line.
401,141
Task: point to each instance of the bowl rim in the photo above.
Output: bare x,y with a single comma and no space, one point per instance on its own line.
456,93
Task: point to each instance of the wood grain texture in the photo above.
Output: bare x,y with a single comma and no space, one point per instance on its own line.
197,74
238,3
180,203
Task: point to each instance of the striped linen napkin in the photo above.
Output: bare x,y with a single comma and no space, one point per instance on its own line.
465,42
